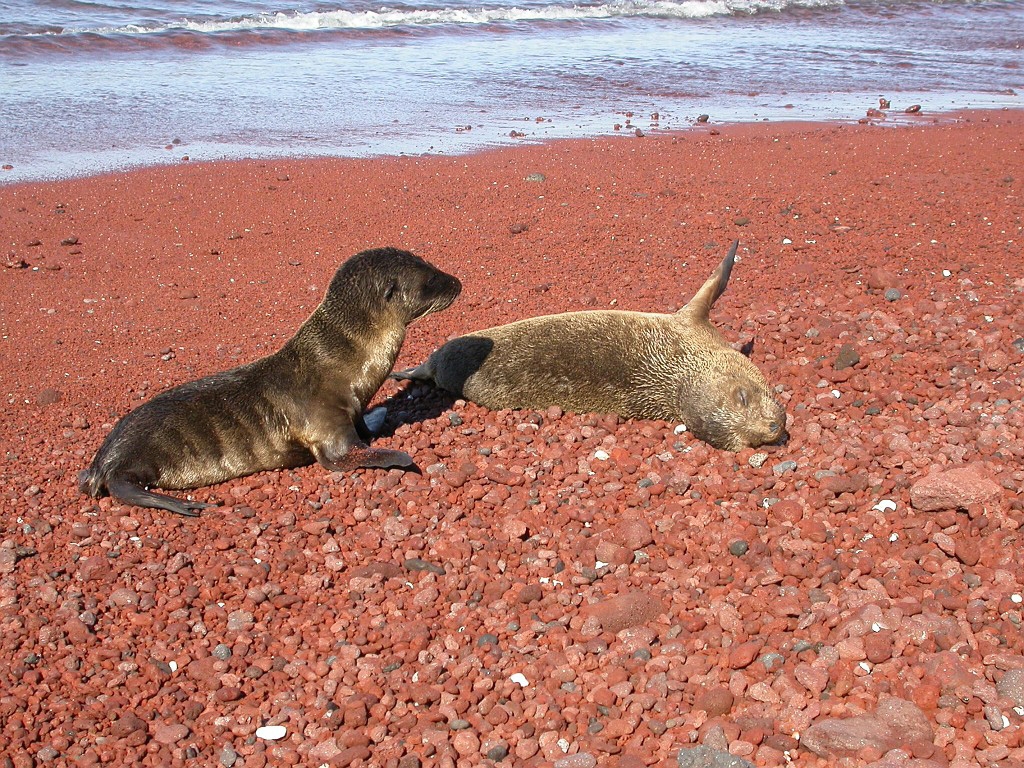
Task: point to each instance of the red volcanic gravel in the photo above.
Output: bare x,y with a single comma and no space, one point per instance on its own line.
554,589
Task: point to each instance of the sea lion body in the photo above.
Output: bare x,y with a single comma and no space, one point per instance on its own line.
673,367
301,404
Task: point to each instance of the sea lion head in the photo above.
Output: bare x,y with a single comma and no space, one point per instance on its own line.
392,284
725,397
731,406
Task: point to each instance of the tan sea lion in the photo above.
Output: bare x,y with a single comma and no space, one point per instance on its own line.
300,404
636,364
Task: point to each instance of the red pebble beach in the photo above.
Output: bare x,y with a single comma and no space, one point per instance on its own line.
554,589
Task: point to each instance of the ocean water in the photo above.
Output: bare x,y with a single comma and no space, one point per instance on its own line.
94,85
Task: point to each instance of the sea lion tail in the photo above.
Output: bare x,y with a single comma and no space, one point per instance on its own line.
699,307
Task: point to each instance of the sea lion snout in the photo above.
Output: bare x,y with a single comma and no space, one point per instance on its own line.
399,282
438,292
763,421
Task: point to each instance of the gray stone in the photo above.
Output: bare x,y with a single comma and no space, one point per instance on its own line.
222,652
497,753
704,757
739,548
1011,685
783,467
228,756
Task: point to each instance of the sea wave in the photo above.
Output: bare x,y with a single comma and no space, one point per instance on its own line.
411,16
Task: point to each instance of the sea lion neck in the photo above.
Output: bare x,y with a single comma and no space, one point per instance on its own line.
331,333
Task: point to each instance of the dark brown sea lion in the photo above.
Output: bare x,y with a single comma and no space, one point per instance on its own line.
639,365
300,404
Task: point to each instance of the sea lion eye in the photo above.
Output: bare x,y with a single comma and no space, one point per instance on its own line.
390,291
741,396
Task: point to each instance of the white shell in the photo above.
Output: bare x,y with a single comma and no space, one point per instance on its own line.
520,679
271,732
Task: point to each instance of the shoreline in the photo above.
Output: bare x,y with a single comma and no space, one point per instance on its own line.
530,132
785,605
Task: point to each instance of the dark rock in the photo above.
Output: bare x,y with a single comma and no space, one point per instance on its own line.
416,564
847,358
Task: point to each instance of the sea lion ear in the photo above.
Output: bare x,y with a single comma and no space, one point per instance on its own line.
698,308
747,349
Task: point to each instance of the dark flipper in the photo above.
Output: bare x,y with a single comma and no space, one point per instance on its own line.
361,456
699,307
410,374
130,493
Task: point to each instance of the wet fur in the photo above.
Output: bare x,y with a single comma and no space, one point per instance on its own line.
639,365
302,404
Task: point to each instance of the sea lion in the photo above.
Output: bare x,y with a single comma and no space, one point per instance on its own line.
639,365
300,404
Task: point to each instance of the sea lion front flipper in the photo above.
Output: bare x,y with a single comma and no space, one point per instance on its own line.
699,307
361,455
347,450
130,493
416,373
378,458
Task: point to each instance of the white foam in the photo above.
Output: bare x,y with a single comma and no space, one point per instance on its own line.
393,17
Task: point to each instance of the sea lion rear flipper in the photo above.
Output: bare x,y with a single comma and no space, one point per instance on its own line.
699,307
130,493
